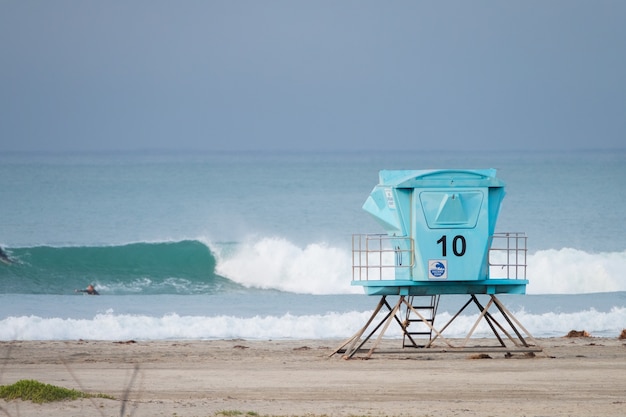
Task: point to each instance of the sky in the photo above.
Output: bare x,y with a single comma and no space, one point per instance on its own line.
322,75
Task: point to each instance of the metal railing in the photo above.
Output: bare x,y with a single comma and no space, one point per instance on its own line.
507,255
381,257
384,257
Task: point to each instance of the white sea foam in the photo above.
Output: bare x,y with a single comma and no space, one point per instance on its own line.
572,271
276,263
110,326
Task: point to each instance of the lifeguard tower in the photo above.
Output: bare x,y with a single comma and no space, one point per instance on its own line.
440,239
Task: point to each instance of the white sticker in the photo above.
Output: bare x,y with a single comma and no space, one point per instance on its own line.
437,269
391,203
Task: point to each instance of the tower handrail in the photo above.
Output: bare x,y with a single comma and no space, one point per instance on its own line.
508,253
379,256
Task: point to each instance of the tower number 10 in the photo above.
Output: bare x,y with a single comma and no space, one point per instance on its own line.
458,245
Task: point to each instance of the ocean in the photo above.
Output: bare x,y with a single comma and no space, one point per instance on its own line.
257,245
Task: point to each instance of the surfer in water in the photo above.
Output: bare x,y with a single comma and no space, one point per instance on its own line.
90,290
4,257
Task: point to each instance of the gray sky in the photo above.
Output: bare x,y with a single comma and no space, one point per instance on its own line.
312,75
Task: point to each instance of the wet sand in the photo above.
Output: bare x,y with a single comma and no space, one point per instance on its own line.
572,377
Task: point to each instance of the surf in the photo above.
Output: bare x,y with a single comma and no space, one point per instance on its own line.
320,268
193,266
112,325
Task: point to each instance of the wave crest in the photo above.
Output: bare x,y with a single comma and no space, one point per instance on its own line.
266,263
276,263
186,266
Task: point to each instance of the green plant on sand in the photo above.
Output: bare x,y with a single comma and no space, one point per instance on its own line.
38,392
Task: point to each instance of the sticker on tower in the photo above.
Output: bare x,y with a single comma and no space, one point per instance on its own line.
437,269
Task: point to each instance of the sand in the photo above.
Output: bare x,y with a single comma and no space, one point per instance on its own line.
572,377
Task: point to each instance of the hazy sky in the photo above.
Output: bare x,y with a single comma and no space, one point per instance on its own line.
312,75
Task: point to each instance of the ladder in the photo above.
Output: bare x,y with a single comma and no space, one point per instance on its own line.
414,327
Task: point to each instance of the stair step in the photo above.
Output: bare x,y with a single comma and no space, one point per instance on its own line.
427,311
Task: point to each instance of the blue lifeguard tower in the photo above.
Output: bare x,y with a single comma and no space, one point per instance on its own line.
440,239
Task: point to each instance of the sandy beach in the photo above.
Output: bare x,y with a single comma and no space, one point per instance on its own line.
572,377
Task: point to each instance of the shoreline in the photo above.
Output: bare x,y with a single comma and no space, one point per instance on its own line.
582,376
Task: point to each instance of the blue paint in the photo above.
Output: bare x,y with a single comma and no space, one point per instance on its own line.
439,225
